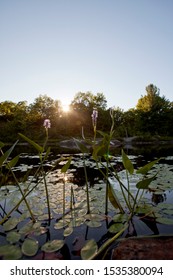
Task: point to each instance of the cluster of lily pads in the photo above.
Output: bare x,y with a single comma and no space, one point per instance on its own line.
47,199
68,204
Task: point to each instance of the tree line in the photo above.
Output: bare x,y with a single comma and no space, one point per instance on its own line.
152,116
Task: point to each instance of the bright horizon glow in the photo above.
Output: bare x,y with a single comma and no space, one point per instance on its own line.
60,48
66,108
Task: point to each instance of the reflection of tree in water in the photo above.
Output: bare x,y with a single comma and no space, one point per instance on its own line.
157,198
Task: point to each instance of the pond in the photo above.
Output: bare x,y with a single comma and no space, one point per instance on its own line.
66,234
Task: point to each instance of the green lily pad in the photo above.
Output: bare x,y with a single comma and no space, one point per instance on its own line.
120,218
94,217
165,206
30,247
116,227
165,221
26,228
68,231
11,224
13,237
52,246
168,211
60,224
89,249
94,224
10,252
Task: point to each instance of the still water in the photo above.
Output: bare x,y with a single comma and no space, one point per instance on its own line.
67,196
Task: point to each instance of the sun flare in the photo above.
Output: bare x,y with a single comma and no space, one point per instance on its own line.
65,108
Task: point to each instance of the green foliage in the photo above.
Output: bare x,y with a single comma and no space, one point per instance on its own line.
127,163
153,115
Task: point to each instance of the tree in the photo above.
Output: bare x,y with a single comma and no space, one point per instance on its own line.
81,110
152,110
87,100
152,101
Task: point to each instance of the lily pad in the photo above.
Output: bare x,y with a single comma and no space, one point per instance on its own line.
120,218
30,247
116,227
94,217
68,231
93,223
89,249
52,246
165,221
13,237
11,224
10,252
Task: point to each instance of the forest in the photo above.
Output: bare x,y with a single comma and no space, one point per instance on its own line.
151,117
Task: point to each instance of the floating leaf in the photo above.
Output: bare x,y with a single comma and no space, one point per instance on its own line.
13,237
147,167
116,227
68,231
144,209
127,163
93,223
165,221
26,228
11,224
30,247
120,218
94,217
52,246
89,249
10,252
163,205
168,211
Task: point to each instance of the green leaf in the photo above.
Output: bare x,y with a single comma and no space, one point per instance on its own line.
165,221
47,153
34,144
52,246
93,224
5,156
83,148
11,224
12,162
127,163
13,237
145,182
113,198
147,167
1,145
89,249
10,252
99,150
116,227
66,166
120,218
30,247
68,231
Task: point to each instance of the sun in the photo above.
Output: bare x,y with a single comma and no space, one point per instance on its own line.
66,108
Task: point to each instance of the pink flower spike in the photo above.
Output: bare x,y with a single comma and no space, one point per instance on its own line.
47,123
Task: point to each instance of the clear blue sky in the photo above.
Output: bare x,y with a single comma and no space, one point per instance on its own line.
61,47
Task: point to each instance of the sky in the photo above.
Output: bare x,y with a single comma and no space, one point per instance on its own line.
62,47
